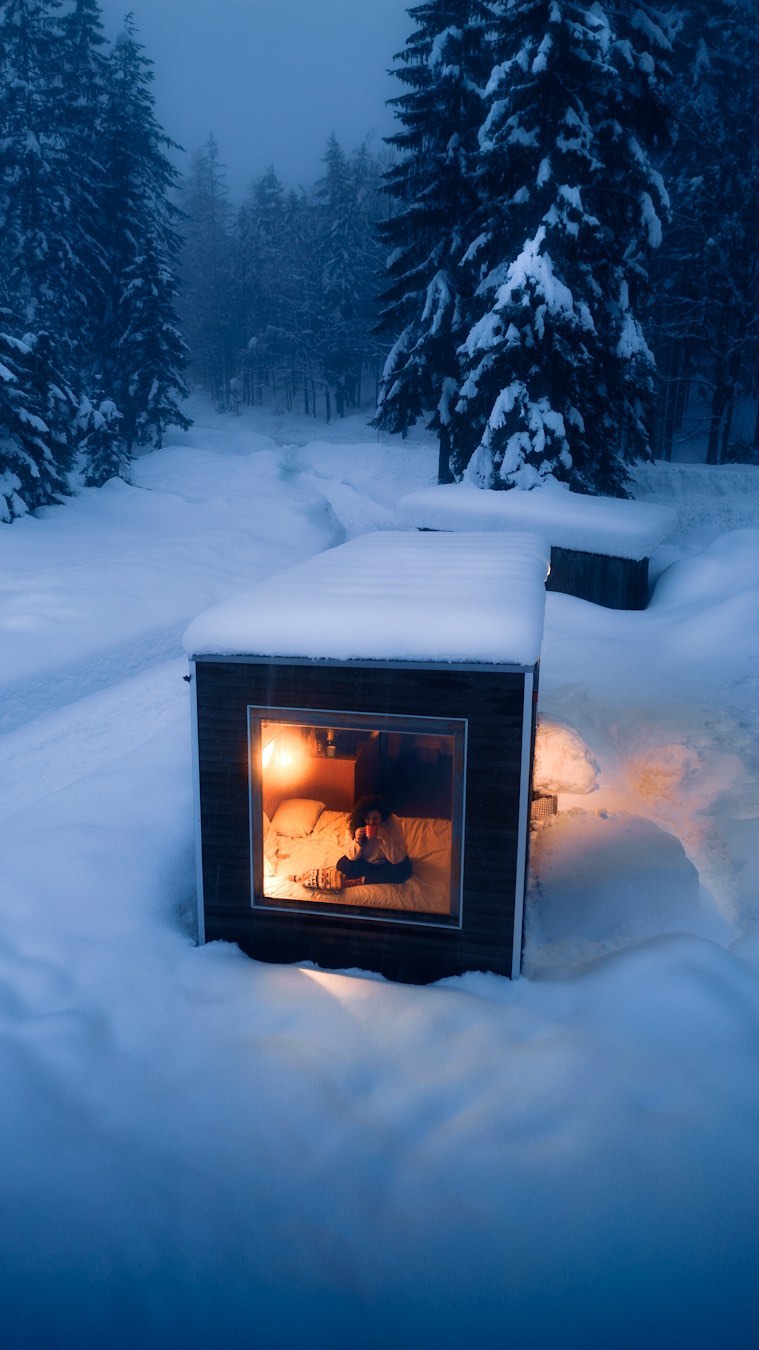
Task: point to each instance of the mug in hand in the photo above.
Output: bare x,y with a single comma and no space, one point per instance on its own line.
371,831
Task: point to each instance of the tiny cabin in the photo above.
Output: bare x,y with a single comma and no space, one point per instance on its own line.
600,546
401,666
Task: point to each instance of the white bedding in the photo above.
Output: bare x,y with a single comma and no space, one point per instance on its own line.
428,889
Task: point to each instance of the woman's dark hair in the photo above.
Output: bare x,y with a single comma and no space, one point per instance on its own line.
371,802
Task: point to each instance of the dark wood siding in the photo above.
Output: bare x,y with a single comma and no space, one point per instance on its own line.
617,583
493,704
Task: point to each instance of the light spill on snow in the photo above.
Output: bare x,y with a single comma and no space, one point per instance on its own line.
201,1151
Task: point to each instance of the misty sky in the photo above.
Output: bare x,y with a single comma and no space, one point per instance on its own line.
270,78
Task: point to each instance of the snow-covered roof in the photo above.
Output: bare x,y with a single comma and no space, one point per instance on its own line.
392,595
608,525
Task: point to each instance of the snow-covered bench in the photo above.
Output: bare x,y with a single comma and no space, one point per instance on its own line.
600,546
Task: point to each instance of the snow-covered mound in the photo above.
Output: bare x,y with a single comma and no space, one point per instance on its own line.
726,568
393,596
603,882
563,763
606,525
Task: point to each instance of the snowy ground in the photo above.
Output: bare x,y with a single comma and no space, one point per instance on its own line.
198,1151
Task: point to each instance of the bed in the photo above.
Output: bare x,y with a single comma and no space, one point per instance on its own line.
304,834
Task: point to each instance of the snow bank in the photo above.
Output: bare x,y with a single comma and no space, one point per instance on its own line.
604,882
711,499
615,528
563,763
727,567
393,596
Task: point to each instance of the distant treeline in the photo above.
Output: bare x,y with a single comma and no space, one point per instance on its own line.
278,296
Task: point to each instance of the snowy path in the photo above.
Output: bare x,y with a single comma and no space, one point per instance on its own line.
79,735
27,700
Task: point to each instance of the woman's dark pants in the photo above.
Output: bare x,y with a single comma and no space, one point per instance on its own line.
374,873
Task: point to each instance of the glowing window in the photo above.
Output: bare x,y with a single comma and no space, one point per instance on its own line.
358,814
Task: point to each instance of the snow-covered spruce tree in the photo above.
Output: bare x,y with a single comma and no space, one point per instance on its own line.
559,376
30,475
49,179
428,297
264,284
33,187
208,304
102,444
151,348
81,81
302,293
348,267
41,266
141,243
56,401
707,311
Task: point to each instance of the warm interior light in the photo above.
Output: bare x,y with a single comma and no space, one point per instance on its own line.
281,755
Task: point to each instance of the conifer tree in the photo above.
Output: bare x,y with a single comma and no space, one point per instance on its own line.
30,475
141,243
41,262
208,304
559,377
302,297
707,311
264,283
89,238
151,349
348,266
428,301
102,444
82,75
57,403
50,178
32,169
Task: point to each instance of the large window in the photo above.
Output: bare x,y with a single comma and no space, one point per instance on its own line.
357,813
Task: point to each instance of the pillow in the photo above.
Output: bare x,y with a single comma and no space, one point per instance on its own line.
296,817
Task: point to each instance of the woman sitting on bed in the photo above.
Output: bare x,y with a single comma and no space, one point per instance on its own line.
375,848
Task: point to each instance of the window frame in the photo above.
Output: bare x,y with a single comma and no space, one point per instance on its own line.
340,719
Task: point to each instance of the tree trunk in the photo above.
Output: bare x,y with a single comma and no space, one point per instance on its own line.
664,424
444,474
727,427
719,399
683,386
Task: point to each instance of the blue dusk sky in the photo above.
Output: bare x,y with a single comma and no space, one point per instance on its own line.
270,78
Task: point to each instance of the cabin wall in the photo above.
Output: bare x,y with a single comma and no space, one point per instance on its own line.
617,583
492,701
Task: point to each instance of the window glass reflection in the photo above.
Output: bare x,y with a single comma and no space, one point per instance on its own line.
361,816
